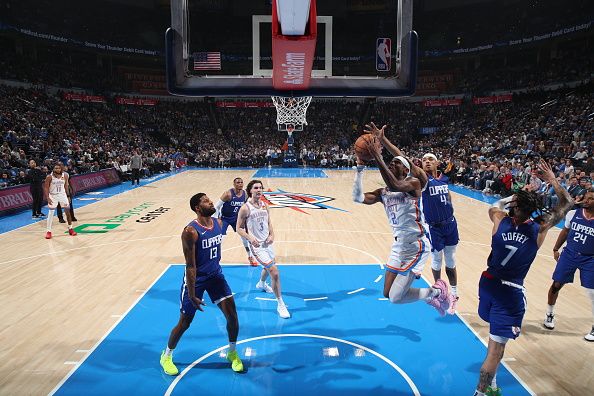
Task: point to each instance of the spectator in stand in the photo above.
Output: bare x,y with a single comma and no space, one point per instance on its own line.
35,178
4,180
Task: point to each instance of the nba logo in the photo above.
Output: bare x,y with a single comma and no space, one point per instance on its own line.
383,54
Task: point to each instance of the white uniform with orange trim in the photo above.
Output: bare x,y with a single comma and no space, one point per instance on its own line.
257,225
411,246
57,191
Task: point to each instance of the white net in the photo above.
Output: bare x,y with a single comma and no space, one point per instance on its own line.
290,112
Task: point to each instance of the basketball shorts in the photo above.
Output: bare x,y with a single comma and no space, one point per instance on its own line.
229,222
56,199
502,306
444,234
216,286
408,255
569,262
264,254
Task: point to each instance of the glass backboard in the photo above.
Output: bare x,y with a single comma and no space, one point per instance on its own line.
224,48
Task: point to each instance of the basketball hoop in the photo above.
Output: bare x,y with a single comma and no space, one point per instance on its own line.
290,112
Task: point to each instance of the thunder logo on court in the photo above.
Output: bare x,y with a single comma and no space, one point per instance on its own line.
297,201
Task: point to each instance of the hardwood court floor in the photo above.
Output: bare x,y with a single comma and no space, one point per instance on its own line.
59,297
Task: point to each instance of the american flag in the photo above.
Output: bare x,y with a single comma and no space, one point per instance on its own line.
207,61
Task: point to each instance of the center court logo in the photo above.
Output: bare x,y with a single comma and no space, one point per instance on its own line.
297,201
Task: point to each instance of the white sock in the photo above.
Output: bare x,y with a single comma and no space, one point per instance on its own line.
550,309
454,290
168,352
426,293
50,219
232,346
280,301
69,226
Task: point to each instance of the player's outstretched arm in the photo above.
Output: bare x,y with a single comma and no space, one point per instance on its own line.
565,202
379,133
497,212
189,237
368,198
219,205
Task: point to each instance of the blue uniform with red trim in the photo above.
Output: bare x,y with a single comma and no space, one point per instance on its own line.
209,274
439,213
230,210
502,302
578,253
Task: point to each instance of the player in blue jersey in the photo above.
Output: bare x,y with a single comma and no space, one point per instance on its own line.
402,203
201,241
516,238
443,228
227,209
577,254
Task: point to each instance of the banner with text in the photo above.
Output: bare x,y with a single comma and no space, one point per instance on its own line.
136,101
19,197
76,97
493,99
510,43
442,102
245,104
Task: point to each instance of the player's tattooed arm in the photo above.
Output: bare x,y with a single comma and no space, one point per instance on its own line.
565,202
189,237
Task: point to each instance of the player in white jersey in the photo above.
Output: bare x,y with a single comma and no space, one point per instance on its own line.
56,190
254,224
402,201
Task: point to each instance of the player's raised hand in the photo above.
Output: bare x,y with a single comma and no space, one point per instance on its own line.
374,130
545,173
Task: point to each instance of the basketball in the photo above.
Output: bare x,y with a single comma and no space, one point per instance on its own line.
361,147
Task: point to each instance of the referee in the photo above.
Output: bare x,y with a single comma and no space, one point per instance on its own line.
36,177
136,166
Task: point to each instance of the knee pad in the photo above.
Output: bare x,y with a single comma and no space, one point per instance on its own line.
395,295
449,253
436,261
